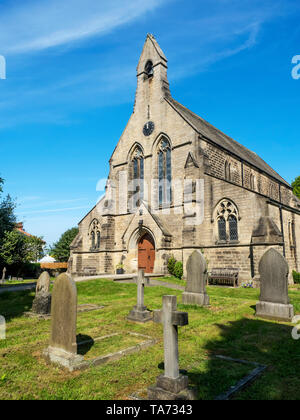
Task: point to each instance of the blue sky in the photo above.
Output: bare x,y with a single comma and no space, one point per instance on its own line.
71,79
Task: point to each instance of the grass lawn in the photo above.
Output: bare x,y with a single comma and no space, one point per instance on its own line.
227,328
18,283
13,283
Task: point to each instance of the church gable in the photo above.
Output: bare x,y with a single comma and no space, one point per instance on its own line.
140,225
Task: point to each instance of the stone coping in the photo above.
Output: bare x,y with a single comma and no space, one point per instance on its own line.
85,307
243,383
77,362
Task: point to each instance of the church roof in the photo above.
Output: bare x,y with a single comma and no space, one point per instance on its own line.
224,141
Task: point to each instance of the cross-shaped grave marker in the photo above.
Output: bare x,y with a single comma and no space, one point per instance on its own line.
140,313
171,385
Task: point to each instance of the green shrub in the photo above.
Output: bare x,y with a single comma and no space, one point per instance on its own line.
178,270
296,277
171,265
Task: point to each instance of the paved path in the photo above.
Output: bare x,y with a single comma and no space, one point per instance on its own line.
115,277
121,278
18,288
128,278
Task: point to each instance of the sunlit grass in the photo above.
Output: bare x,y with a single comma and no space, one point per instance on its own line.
228,327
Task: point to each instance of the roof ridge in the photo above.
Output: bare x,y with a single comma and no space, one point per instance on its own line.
225,141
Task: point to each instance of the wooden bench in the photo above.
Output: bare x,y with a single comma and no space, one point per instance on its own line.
224,276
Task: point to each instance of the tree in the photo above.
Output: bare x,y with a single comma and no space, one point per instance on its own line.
18,249
7,216
61,249
296,187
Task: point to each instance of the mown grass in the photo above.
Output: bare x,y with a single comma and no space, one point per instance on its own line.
172,280
228,327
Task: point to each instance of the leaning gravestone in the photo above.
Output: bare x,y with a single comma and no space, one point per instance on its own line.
63,347
42,302
274,301
172,385
140,313
195,291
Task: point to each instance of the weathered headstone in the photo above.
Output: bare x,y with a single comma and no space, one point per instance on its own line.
63,346
2,328
274,301
140,313
42,302
172,385
195,291
3,275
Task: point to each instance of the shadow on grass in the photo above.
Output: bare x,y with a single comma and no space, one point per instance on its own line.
14,304
84,344
254,341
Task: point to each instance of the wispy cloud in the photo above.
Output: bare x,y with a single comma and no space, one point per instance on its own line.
39,24
229,29
53,210
42,202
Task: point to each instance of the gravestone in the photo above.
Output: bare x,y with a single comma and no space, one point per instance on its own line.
2,328
195,291
42,301
63,347
140,313
3,275
172,385
274,301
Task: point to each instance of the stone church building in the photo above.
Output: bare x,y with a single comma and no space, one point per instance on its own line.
231,205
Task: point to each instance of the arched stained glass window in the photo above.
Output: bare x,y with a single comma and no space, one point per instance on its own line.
227,220
95,235
222,229
136,193
93,239
164,172
233,228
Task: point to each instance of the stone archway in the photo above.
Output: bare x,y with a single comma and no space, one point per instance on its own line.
146,253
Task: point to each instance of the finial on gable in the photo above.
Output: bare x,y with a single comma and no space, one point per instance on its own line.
151,52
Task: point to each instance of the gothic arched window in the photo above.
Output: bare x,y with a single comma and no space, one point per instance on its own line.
136,193
222,229
227,221
93,239
95,235
227,171
164,172
252,182
98,239
233,228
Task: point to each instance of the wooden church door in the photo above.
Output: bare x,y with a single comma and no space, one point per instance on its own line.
146,253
